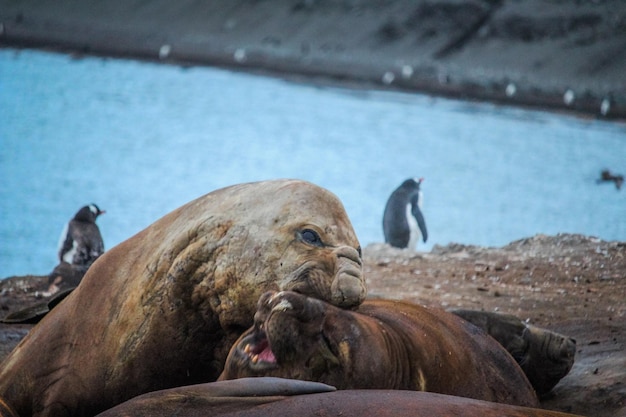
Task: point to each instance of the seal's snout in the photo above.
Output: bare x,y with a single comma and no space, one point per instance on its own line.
348,287
349,254
568,347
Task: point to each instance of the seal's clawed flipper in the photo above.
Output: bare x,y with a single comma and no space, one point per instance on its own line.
64,276
6,410
34,313
544,356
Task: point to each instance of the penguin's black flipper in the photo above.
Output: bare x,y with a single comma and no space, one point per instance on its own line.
66,243
421,223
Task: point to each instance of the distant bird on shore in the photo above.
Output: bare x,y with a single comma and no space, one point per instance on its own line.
403,220
81,242
607,176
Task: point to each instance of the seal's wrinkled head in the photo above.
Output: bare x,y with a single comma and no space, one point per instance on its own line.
322,256
163,307
230,246
287,340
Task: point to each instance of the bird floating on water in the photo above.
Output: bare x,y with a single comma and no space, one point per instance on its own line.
608,176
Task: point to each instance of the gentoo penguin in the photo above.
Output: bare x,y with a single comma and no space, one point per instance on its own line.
81,243
403,216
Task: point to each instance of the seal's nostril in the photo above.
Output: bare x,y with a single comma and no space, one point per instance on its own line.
349,253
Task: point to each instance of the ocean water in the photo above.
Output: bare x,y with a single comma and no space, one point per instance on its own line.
141,139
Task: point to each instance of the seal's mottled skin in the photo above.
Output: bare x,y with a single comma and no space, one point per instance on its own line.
385,344
544,356
163,308
275,397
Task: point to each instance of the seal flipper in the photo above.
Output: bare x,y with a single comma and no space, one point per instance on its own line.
34,313
267,386
216,398
6,410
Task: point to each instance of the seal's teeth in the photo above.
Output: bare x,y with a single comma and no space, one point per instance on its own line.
255,358
247,348
282,306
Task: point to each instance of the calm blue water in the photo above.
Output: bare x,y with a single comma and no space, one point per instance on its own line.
141,139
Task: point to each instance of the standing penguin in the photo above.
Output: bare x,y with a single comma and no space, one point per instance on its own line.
403,216
81,242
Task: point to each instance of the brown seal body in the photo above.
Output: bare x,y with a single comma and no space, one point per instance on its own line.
544,356
385,344
268,397
163,308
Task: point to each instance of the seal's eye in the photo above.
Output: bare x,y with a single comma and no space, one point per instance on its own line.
311,237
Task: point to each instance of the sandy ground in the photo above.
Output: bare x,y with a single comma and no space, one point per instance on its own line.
571,284
559,54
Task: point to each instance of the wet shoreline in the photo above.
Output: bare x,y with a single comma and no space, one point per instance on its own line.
570,57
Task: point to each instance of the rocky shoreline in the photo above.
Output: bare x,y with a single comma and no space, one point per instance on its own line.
571,284
560,55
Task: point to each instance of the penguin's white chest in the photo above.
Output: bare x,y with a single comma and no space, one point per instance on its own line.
413,228
69,255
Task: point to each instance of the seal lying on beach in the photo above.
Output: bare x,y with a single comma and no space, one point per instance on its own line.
163,308
385,344
276,397
544,356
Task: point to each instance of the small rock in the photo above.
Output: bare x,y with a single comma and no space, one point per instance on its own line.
240,55
388,77
569,97
510,90
164,51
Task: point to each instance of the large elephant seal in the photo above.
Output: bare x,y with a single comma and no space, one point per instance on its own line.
275,397
163,308
385,344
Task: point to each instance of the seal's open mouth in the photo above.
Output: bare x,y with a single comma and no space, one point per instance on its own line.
256,351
